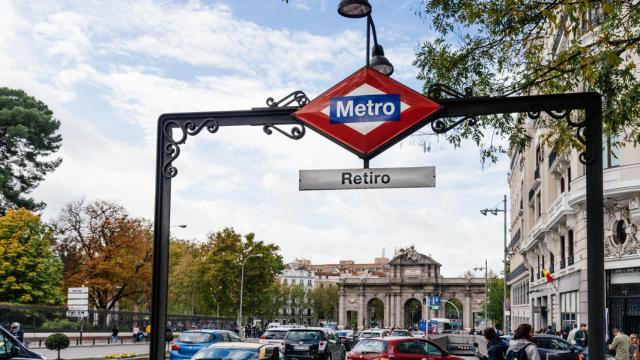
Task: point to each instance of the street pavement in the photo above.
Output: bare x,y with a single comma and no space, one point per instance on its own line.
81,352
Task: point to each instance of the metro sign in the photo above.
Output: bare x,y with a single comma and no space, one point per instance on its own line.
367,112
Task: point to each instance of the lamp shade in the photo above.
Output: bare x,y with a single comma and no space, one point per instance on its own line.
354,8
379,62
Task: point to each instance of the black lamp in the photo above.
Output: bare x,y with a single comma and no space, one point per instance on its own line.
354,8
379,62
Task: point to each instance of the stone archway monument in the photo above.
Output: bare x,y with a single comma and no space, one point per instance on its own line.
369,114
409,278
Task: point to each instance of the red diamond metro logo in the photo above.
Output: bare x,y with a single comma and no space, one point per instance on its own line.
367,112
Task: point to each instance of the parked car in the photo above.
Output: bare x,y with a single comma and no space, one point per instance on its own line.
419,334
190,342
557,346
274,335
347,338
400,348
11,348
373,333
273,325
313,344
239,351
400,332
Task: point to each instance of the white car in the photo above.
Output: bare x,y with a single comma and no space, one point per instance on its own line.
273,325
273,336
373,333
419,334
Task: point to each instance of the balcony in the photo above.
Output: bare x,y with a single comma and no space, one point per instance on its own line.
514,239
537,230
559,209
558,163
516,272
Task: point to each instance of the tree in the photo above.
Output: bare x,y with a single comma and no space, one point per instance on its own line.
112,251
28,139
30,273
57,341
324,302
507,47
495,304
219,266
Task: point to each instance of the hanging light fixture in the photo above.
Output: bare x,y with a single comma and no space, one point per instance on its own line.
354,8
379,62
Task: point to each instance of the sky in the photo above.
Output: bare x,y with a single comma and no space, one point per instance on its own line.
108,69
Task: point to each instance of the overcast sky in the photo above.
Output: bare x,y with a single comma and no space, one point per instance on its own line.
108,69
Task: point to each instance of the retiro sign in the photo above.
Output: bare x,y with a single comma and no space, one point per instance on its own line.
343,179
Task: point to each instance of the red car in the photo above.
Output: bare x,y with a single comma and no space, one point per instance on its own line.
399,348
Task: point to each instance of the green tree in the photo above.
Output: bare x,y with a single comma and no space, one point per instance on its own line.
29,272
28,139
299,301
495,304
324,302
507,47
219,266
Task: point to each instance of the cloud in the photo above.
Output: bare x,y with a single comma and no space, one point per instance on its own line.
109,69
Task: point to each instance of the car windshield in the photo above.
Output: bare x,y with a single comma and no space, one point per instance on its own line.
366,334
342,333
222,353
399,333
370,347
275,334
303,336
195,337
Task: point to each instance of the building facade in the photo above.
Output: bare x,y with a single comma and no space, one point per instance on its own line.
548,233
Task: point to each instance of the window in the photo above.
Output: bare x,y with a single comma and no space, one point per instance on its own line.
309,282
569,178
539,204
6,345
431,349
538,272
561,185
293,281
620,232
568,309
562,252
611,152
551,263
570,247
410,347
285,281
234,337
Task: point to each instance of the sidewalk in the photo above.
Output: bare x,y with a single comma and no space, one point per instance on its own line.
82,352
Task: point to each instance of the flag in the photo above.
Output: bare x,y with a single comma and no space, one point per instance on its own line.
547,276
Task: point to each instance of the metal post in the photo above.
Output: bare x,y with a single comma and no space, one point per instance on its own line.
486,295
160,282
504,297
595,229
368,36
240,329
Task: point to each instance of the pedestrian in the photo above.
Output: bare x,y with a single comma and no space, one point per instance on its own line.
634,353
147,331
114,334
522,346
496,347
582,336
571,338
620,345
136,333
16,331
550,330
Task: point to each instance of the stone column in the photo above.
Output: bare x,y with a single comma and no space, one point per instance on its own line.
361,313
399,312
387,310
392,309
342,314
467,321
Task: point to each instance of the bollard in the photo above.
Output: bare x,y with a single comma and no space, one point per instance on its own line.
94,342
39,342
77,340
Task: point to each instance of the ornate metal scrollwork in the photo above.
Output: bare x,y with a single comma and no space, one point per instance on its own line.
436,90
583,129
298,96
172,146
441,126
296,132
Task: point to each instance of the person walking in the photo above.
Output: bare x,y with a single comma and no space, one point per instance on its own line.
582,336
16,331
522,346
496,347
550,330
136,333
114,334
571,338
634,348
620,345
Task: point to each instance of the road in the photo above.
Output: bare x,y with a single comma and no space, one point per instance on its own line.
80,352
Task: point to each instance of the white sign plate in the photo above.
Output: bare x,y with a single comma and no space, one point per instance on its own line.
381,178
78,290
84,301
78,307
74,313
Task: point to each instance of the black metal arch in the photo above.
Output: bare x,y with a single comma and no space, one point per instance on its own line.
174,129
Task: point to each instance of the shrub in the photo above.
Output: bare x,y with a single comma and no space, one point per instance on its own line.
60,324
57,341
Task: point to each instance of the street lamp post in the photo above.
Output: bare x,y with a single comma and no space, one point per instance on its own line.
486,293
495,211
241,290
